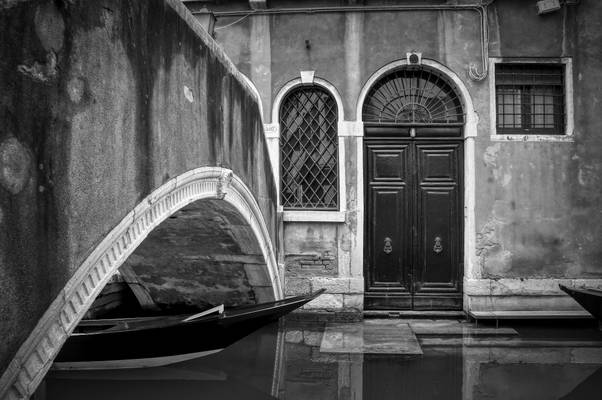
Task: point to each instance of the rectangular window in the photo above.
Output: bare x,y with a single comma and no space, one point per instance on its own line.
530,98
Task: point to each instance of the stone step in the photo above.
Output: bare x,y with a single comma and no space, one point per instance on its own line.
527,314
507,342
455,328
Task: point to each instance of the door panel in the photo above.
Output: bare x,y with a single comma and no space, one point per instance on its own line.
437,245
388,237
388,230
414,199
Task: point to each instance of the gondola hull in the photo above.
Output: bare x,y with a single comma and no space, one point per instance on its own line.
155,341
590,299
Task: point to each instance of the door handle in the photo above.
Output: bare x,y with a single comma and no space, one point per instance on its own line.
438,247
388,246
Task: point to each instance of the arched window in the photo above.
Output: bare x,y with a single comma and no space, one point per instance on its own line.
413,95
308,150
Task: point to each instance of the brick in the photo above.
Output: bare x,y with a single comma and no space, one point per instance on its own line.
312,338
294,286
332,285
294,336
326,301
353,301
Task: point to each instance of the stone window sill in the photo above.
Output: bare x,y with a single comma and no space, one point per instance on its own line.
531,138
313,216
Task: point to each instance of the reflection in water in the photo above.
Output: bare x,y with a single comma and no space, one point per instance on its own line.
588,388
459,361
153,390
437,376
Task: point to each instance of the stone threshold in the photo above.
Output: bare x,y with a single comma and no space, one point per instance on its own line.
403,314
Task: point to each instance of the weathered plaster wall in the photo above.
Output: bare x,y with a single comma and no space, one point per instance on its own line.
336,40
538,213
100,103
539,210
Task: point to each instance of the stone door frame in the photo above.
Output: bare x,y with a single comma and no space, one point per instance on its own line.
469,136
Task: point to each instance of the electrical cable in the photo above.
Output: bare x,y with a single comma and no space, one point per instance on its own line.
235,22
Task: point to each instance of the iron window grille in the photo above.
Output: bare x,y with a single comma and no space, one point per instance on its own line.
413,95
530,99
308,150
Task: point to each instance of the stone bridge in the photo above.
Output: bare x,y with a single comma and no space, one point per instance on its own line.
126,137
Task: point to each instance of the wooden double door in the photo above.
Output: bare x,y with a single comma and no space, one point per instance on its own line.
413,218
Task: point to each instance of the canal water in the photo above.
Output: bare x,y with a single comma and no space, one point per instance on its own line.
373,359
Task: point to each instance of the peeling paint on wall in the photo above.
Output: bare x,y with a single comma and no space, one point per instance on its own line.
590,175
15,165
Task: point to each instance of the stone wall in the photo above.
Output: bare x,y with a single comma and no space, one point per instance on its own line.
101,103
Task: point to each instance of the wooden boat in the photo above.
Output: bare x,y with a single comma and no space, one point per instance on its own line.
162,340
590,299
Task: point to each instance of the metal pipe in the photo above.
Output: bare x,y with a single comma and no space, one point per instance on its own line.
480,9
317,10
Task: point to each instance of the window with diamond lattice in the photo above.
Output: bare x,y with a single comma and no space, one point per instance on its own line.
308,150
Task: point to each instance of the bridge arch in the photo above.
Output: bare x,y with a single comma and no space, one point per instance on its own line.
35,356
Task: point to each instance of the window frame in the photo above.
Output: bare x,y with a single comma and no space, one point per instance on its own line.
332,139
273,134
567,134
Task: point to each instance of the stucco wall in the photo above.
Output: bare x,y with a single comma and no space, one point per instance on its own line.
100,103
537,213
539,210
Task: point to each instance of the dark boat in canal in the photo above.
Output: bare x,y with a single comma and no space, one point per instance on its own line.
162,340
590,299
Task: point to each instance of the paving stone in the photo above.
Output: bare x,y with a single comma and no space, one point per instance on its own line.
370,337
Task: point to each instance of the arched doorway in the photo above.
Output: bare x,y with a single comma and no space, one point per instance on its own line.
413,191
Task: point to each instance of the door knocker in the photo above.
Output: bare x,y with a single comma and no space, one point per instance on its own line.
438,247
388,247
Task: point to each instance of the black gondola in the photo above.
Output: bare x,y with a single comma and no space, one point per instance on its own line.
161,340
590,299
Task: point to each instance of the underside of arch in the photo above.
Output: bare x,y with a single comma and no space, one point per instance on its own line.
203,255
